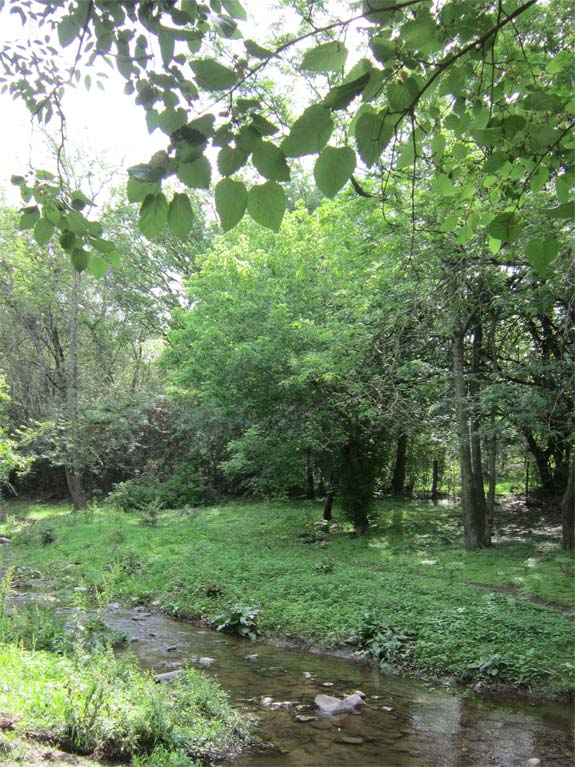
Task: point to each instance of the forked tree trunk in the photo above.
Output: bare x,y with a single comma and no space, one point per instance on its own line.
473,511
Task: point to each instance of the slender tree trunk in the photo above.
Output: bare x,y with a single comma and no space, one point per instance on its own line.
435,481
473,513
321,488
475,420
73,470
492,471
568,511
526,478
310,488
398,478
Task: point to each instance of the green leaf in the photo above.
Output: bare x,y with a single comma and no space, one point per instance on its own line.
494,162
563,185
43,231
383,49
68,241
333,169
399,97
310,132
67,30
266,205
147,172
97,266
541,254
270,161
231,159
438,146
406,157
79,259
539,179
213,76
153,215
196,174
263,126
138,190
103,246
341,96
256,50
28,217
566,210
505,227
167,45
443,186
235,9
180,216
372,135
449,224
327,57
231,200
543,102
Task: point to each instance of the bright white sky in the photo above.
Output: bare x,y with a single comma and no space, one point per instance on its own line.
106,124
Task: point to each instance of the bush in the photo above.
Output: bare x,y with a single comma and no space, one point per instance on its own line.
183,488
239,619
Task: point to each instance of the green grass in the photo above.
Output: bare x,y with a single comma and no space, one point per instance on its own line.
102,705
410,572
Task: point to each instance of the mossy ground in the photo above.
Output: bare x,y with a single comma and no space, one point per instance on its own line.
467,613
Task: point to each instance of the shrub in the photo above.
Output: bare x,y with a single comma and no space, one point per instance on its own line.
239,619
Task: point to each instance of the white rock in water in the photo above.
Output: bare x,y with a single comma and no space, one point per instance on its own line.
354,701
169,676
207,661
533,762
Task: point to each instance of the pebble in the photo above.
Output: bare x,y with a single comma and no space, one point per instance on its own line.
307,674
207,661
327,684
169,675
171,648
252,658
533,762
305,719
266,701
350,741
3,539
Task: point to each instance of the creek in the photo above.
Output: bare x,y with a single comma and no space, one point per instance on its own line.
406,722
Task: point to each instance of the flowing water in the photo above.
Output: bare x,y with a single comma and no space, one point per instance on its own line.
406,723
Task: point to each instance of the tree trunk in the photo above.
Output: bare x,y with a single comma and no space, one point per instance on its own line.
475,422
568,511
398,479
73,469
492,472
435,481
76,488
473,513
310,489
328,505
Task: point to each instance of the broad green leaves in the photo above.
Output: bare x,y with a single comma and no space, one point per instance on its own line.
333,169
180,216
270,161
372,134
153,215
213,76
231,202
266,205
310,132
541,254
505,227
196,174
328,57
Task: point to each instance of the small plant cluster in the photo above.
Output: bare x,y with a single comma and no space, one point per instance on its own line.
385,644
239,619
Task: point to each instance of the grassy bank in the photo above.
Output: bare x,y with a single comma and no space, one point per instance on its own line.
430,605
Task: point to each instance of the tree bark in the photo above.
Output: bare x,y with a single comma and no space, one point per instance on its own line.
73,469
398,478
328,505
473,512
568,511
310,488
435,481
475,422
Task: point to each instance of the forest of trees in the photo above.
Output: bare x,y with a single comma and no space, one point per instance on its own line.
398,319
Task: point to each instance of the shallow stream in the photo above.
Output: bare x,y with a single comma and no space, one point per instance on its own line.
406,723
